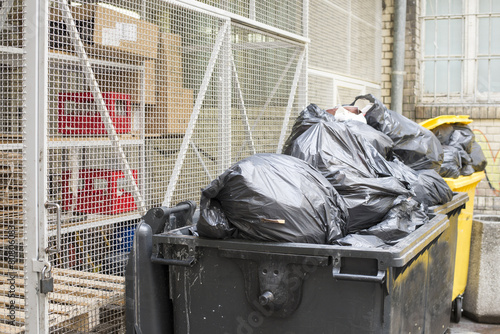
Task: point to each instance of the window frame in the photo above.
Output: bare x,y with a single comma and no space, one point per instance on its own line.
469,92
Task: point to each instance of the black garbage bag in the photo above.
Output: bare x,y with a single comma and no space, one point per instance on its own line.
462,137
402,219
429,187
443,133
272,197
467,168
354,167
380,141
415,145
478,160
452,163
313,115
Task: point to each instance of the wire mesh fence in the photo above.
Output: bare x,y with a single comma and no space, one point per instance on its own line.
148,101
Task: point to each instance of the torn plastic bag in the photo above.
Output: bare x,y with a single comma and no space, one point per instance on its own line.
361,241
478,160
452,163
354,168
405,217
415,145
313,115
272,197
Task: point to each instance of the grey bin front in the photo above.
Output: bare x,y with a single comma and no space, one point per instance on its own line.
237,286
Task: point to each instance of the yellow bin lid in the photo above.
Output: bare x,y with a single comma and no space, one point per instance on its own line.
445,119
464,181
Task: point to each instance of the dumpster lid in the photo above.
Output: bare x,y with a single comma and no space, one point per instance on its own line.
464,181
445,119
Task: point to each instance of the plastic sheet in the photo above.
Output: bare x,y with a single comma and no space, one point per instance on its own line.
358,172
272,197
416,146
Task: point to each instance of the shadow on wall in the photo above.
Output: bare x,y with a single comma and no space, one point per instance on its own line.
493,167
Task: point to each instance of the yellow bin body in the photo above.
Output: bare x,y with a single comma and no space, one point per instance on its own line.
462,184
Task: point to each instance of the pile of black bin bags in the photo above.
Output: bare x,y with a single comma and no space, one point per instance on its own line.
462,154
337,182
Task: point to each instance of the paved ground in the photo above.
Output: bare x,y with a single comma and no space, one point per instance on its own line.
466,326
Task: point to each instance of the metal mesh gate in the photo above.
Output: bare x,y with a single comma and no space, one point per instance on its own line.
12,163
148,101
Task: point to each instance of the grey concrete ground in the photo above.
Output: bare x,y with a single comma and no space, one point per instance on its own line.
466,326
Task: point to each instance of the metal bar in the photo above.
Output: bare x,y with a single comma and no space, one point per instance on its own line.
245,21
291,99
225,103
34,138
6,7
200,158
96,223
243,109
101,105
194,115
107,63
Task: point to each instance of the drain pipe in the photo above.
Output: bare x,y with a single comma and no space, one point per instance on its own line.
398,56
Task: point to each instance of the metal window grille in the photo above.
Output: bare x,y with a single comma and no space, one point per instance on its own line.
460,51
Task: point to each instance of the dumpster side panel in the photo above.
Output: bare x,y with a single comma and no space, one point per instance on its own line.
210,298
408,297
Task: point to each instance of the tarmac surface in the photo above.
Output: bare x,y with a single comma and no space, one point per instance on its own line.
467,326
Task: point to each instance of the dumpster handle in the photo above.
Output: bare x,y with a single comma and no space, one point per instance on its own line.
189,262
380,278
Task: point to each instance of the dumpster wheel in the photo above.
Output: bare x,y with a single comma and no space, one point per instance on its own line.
456,309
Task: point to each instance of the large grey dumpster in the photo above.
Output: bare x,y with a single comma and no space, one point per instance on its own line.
237,286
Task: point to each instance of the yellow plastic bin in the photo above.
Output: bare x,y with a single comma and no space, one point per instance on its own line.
462,184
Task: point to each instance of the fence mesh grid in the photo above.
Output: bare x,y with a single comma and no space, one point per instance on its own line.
12,164
148,98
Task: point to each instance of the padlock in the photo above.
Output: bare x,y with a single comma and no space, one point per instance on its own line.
47,281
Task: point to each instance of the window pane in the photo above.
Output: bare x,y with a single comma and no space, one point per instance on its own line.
442,7
495,75
456,6
495,36
428,77
441,77
483,35
482,75
496,6
430,30
442,37
484,6
456,37
455,76
430,9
